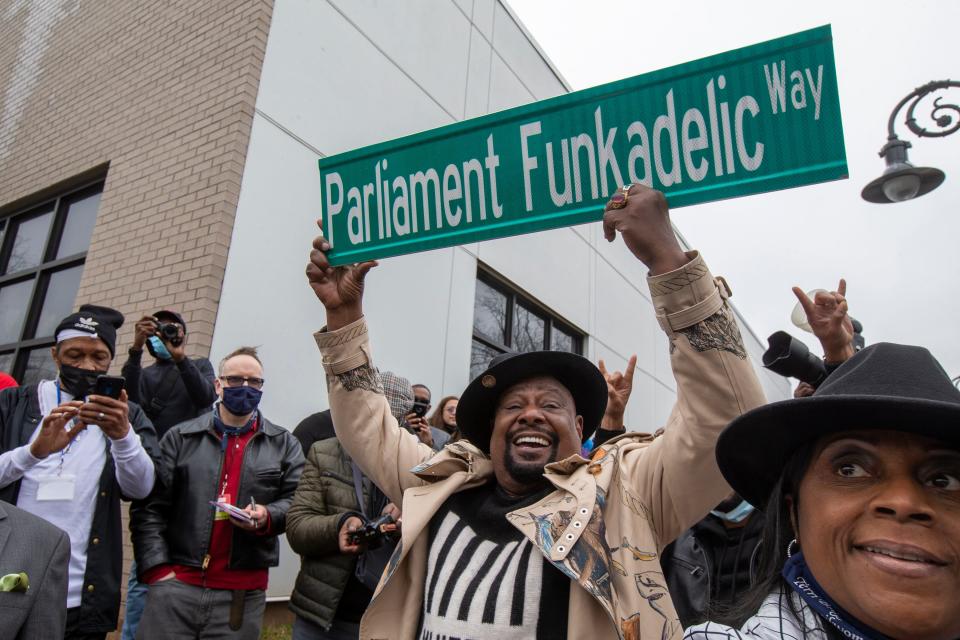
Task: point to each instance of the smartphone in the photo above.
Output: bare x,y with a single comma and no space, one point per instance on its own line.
109,386
419,408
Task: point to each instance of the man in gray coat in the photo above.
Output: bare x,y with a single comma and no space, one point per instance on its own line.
34,556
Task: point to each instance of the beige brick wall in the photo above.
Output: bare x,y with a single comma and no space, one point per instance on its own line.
163,93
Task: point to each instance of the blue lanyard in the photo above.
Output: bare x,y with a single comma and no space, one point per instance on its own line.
65,450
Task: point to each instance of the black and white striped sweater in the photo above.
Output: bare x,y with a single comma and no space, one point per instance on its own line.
485,579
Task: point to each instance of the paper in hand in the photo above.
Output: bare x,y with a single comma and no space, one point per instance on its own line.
233,512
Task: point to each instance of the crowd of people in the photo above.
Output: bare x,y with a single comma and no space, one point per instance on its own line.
524,507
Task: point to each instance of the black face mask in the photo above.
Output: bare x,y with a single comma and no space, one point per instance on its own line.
78,382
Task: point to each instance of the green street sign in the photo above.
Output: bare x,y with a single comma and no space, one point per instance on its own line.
756,119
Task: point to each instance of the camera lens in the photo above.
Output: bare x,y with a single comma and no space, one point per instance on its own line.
169,331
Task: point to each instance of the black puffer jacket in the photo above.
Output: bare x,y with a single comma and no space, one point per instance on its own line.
325,494
100,603
174,524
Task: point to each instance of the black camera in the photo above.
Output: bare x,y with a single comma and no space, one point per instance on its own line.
170,332
372,534
420,408
791,358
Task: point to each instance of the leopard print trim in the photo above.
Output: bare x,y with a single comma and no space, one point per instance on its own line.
364,377
719,331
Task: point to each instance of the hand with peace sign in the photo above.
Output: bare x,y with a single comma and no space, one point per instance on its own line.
829,320
619,387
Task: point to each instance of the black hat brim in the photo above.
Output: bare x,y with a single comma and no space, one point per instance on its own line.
754,449
583,380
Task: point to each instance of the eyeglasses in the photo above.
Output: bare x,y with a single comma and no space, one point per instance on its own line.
238,381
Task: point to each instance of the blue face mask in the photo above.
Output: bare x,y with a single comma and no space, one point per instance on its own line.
157,349
241,401
737,514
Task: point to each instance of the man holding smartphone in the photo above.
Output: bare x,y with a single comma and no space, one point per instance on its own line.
69,452
416,420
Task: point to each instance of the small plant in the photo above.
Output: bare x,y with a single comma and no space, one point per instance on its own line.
276,632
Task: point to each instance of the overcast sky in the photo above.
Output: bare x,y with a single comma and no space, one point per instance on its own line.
901,261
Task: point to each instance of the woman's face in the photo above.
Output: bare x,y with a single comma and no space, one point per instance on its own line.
450,413
879,526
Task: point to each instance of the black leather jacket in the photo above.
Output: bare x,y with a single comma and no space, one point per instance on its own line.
710,566
174,524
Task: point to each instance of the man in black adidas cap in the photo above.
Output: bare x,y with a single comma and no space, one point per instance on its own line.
509,533
69,455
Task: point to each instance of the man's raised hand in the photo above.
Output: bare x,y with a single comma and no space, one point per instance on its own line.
644,223
619,388
828,317
340,289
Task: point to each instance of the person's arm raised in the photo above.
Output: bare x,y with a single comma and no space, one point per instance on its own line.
360,411
676,476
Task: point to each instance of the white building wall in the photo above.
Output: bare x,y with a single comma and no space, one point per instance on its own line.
341,74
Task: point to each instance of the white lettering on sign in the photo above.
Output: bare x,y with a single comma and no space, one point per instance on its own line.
424,200
700,132
800,81
529,162
585,166
683,144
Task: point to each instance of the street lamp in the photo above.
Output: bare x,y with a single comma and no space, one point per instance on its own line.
901,180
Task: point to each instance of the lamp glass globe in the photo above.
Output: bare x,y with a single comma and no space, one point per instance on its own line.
902,187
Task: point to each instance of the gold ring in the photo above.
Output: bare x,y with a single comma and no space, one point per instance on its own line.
100,415
619,199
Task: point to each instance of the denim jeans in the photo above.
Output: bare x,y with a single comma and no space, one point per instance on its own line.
136,599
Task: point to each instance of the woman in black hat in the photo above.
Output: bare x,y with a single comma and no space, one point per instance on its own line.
860,486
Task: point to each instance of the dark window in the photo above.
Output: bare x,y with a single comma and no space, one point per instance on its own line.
505,319
42,251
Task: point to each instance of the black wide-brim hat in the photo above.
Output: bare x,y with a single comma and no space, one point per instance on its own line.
581,377
884,387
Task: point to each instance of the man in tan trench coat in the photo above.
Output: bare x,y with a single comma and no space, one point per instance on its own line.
510,533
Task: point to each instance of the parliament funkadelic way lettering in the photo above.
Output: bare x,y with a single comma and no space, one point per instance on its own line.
756,119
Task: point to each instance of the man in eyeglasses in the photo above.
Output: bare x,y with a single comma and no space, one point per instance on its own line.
207,534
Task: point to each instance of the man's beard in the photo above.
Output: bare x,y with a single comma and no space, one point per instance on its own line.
529,473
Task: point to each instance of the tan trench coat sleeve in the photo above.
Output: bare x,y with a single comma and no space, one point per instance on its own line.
677,475
361,414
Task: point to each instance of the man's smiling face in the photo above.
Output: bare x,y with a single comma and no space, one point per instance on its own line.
535,423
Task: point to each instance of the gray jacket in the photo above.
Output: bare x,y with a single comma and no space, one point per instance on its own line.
31,545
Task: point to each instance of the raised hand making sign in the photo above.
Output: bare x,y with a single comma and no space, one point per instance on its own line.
756,119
